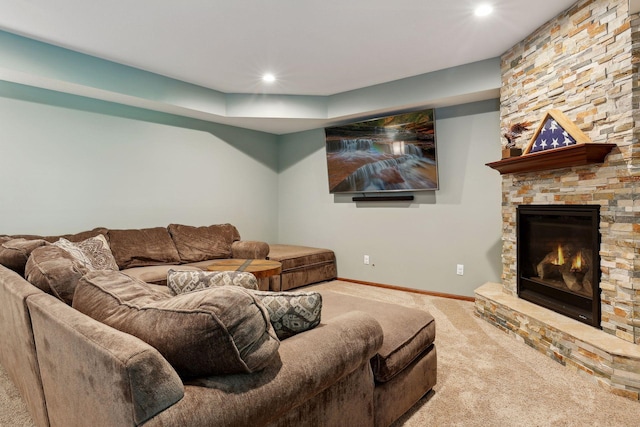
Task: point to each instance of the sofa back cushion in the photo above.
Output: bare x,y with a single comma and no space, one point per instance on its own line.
56,268
55,271
220,330
15,250
203,243
142,247
14,253
77,237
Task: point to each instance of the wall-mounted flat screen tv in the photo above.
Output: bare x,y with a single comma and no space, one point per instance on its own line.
393,153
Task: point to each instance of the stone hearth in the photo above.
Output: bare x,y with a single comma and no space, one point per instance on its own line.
612,362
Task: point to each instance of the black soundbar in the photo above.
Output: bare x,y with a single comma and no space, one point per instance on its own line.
380,198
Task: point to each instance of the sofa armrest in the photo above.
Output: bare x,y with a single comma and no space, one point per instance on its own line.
93,374
310,363
249,249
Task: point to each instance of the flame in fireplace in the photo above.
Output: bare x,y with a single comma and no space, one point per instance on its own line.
577,262
560,259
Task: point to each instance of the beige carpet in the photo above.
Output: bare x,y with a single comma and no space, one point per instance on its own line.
485,378
13,412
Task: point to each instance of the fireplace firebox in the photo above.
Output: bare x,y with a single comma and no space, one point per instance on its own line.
558,259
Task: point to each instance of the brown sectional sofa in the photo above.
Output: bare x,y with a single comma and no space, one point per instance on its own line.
365,364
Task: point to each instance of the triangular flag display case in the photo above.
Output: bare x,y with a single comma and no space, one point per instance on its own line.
556,143
555,131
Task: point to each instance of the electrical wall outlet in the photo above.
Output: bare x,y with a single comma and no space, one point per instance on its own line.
460,269
366,259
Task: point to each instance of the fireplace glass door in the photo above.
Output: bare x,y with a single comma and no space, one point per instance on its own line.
558,259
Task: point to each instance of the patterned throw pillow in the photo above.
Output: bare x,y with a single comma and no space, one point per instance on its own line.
187,281
93,253
291,312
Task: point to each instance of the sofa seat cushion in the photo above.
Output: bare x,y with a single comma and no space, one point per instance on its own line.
301,265
156,274
219,330
312,385
142,247
292,256
408,332
203,243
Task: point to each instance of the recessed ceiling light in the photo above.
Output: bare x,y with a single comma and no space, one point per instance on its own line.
268,78
483,10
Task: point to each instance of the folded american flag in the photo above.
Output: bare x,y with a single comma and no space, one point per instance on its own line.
551,136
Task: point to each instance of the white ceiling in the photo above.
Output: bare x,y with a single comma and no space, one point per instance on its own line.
313,47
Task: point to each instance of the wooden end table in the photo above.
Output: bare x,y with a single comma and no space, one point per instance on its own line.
261,268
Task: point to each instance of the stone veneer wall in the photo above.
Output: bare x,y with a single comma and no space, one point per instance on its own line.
584,63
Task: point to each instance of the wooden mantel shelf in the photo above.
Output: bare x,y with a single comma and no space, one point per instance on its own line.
564,157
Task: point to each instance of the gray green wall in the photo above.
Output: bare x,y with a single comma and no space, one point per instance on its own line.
411,244
71,164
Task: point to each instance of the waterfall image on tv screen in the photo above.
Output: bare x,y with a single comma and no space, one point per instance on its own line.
394,153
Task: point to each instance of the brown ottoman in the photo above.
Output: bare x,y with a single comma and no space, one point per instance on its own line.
405,367
301,265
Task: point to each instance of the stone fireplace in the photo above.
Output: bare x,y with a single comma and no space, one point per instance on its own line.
585,63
